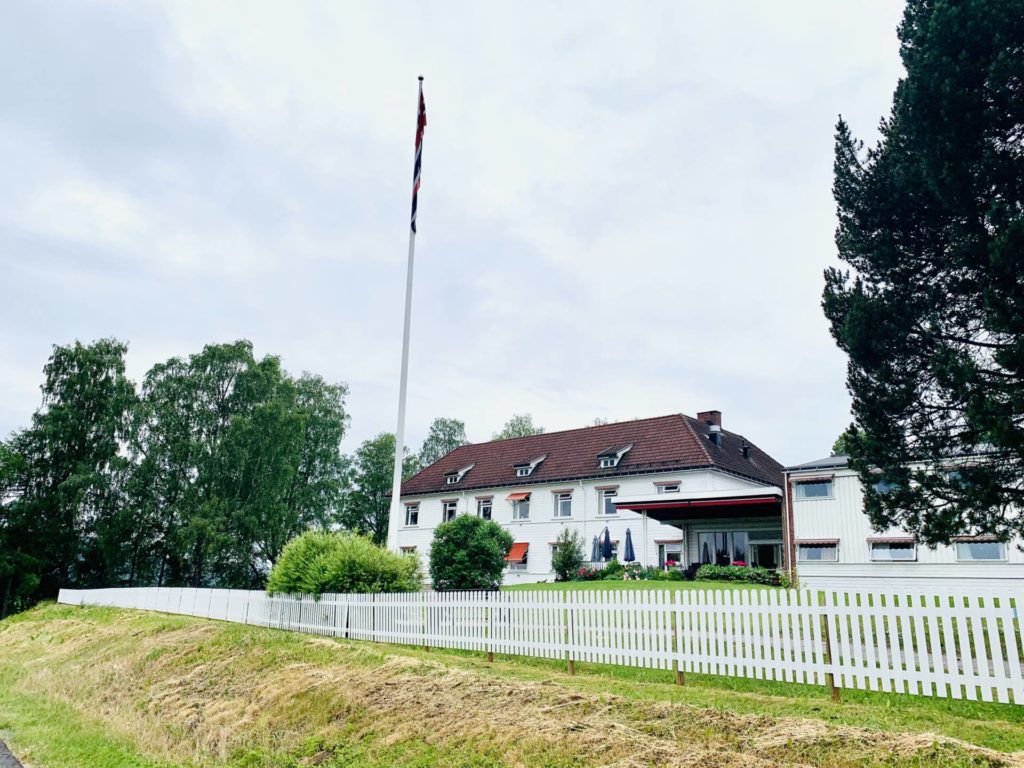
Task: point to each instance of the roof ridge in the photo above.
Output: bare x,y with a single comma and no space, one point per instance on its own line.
577,429
700,443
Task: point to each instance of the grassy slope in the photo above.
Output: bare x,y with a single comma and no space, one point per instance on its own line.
109,688
612,585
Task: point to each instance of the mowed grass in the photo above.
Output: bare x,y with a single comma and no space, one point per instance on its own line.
602,586
127,689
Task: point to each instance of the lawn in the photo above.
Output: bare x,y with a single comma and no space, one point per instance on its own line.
119,689
562,586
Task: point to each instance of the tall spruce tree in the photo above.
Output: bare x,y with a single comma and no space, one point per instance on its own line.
931,221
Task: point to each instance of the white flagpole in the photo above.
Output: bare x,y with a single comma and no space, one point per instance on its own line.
396,481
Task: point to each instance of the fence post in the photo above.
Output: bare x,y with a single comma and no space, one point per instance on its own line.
826,639
568,632
676,596
426,620
490,627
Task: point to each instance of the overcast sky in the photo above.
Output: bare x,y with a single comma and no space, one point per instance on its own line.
626,207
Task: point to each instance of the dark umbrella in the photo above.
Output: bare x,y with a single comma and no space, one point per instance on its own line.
606,545
630,554
595,551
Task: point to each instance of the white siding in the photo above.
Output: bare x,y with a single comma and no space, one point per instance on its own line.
543,527
842,517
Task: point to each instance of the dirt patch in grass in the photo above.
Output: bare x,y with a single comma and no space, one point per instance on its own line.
202,691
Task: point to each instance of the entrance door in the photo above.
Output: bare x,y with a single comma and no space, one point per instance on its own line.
766,555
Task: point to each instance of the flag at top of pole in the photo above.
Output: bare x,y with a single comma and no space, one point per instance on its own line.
396,484
421,123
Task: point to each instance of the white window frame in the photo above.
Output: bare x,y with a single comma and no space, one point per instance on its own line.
410,510
609,462
517,509
480,504
668,487
797,484
873,544
663,553
407,551
801,547
561,497
451,479
1002,549
446,506
602,502
523,471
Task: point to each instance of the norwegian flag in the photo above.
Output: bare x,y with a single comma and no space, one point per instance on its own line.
421,123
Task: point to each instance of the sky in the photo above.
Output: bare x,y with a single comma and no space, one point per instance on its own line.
625,209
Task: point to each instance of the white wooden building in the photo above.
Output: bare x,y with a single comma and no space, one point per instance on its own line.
833,544
687,490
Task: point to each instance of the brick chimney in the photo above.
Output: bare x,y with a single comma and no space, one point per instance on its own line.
710,417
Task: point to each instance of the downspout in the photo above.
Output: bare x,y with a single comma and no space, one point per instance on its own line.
583,493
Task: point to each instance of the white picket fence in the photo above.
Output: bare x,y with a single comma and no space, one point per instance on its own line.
924,643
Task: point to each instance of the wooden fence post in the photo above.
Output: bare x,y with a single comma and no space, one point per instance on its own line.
826,639
676,640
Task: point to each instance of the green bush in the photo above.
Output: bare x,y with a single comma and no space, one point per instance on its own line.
612,571
468,553
745,573
568,557
320,561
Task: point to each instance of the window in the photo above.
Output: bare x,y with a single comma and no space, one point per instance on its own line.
518,556
607,462
521,509
968,551
563,504
723,547
451,479
448,510
606,501
814,489
670,554
526,468
483,508
408,551
818,552
668,487
412,514
889,551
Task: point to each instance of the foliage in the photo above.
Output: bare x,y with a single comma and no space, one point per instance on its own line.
444,436
931,315
767,576
234,458
568,557
328,561
61,519
613,570
841,447
520,425
367,507
468,553
199,478
587,573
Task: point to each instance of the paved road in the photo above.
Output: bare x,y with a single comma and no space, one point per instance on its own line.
7,760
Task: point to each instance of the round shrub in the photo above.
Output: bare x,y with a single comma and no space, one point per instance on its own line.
321,561
468,553
568,557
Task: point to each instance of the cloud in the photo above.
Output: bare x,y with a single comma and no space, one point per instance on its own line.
625,210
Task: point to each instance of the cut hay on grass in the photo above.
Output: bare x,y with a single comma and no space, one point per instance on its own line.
188,691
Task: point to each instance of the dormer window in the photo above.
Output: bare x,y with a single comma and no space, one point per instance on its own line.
451,478
610,458
526,468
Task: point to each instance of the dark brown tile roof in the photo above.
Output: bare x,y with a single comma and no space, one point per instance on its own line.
661,444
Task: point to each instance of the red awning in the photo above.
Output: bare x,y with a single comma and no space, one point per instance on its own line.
518,552
517,496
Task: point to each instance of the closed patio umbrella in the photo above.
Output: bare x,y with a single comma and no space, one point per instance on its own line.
606,545
595,551
630,555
